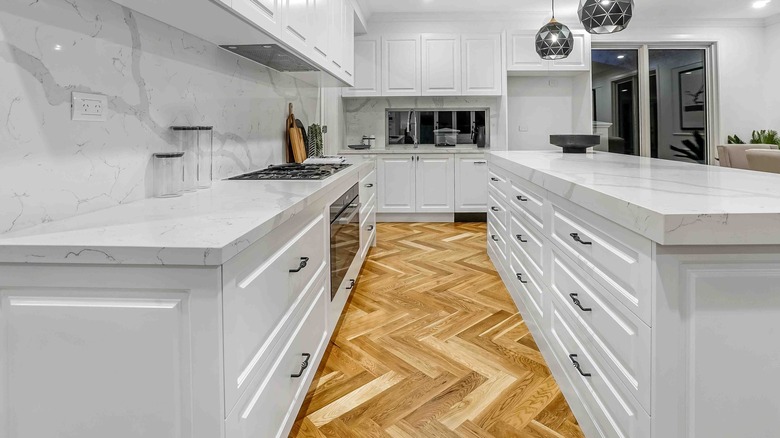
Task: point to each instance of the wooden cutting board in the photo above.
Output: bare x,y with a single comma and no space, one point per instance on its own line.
298,148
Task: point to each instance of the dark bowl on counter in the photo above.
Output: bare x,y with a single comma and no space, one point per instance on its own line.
575,143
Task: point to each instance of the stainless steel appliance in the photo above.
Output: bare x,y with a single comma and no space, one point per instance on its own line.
293,172
344,237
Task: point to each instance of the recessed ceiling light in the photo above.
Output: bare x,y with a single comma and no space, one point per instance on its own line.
57,47
761,3
621,56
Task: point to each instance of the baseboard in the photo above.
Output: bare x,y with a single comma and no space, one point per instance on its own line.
470,217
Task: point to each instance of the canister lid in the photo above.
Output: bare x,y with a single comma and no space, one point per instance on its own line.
169,155
205,128
185,128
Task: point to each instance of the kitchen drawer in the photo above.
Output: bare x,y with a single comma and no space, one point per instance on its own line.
497,208
621,338
367,229
368,190
529,242
612,408
617,258
270,405
496,240
531,287
528,199
498,181
260,292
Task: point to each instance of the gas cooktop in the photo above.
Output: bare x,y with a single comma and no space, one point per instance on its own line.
293,172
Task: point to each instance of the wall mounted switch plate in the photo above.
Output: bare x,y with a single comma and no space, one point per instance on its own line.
89,107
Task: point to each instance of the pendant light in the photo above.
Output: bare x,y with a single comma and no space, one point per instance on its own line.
554,40
606,16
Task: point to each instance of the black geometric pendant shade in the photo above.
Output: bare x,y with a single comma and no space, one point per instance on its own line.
606,16
554,41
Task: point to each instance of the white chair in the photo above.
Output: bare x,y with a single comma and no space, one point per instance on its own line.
734,155
764,160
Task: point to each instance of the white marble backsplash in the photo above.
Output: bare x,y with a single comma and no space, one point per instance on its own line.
154,76
366,116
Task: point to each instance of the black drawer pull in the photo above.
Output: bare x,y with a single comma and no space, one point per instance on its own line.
370,228
494,179
577,238
520,277
304,263
577,303
351,285
522,199
495,238
520,238
573,359
496,209
368,186
304,365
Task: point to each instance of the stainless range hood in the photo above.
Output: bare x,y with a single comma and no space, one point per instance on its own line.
273,56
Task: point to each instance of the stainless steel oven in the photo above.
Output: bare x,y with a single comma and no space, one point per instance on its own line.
344,236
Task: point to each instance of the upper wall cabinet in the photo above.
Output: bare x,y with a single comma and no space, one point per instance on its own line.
348,39
336,21
401,73
482,72
296,27
368,68
265,13
523,59
320,34
441,65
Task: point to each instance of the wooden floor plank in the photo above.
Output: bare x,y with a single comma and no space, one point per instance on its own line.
431,345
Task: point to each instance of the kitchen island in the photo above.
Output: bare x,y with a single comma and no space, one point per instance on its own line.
650,286
200,316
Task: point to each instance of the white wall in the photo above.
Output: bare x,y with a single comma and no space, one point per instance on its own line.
771,61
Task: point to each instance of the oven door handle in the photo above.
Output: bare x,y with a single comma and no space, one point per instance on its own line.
348,219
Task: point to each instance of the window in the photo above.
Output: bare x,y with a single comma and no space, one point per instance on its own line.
436,128
654,101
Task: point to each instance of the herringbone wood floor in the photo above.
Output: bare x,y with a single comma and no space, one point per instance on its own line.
431,345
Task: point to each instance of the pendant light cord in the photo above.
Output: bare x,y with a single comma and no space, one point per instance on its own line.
553,9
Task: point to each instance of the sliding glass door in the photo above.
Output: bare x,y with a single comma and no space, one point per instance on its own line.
653,101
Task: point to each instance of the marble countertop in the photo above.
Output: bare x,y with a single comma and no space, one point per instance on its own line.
412,150
669,202
205,228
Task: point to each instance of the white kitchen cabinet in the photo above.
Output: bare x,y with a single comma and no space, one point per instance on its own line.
481,70
471,189
337,34
348,40
401,72
441,65
435,183
267,14
523,59
396,183
296,28
318,21
368,67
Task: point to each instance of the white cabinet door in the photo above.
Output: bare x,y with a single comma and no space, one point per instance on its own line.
296,30
401,74
336,36
265,13
348,40
395,183
522,54
441,66
320,28
471,191
435,183
368,65
482,72
579,59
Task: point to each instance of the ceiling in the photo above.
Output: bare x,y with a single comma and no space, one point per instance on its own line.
647,9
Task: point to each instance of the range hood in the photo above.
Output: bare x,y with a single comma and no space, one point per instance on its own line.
273,56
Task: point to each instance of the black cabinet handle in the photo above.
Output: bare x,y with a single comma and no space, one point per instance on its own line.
304,365
495,179
520,238
370,228
496,209
304,263
522,199
573,359
368,186
577,303
351,285
520,277
495,238
577,238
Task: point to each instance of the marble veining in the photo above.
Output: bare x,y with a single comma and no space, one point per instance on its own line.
155,76
206,228
669,202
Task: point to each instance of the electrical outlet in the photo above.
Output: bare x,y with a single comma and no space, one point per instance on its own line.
522,128
89,107
553,83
